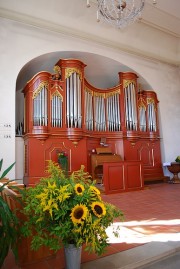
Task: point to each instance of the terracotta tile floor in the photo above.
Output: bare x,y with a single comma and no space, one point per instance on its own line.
151,214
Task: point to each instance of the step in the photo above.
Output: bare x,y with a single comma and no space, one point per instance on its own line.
135,257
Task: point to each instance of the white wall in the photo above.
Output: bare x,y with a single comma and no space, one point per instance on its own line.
21,43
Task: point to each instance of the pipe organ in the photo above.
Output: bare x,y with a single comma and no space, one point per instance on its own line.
64,113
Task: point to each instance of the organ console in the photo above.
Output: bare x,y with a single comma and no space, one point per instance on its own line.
103,155
64,113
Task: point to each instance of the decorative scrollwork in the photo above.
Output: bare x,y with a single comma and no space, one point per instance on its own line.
39,88
70,71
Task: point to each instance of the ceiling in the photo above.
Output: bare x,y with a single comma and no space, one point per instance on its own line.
165,17
96,72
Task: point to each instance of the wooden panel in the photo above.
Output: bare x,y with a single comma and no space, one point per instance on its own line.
134,176
103,150
39,153
114,181
122,176
149,153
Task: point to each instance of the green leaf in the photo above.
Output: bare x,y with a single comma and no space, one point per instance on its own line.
7,170
1,162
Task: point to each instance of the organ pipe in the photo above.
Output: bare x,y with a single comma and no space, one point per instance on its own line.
56,110
151,117
73,101
40,106
130,107
101,108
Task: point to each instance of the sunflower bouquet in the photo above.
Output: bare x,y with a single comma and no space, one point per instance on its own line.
64,210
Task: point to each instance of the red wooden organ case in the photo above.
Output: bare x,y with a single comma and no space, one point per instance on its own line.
64,113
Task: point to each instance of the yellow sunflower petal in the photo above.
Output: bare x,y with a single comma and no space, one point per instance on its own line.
98,209
79,189
94,190
79,213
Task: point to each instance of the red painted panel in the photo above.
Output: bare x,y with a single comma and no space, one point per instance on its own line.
114,177
133,176
122,176
39,153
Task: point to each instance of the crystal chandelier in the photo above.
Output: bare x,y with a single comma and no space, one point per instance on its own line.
119,13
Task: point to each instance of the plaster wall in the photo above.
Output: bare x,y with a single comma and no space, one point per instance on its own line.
21,43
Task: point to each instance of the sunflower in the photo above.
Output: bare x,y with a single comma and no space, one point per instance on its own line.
79,213
98,209
79,189
94,190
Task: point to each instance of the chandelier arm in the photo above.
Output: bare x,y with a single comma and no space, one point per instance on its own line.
119,13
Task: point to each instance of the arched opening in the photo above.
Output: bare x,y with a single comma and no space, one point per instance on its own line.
101,72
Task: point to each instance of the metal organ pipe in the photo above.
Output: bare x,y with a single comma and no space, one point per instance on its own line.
71,104
131,109
118,113
96,108
100,114
91,112
108,113
73,101
35,111
103,116
67,101
134,107
154,119
88,110
79,109
111,114
40,108
115,113
151,117
142,120
56,111
126,109
45,107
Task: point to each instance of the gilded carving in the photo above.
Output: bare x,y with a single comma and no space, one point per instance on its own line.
57,93
57,69
43,84
150,101
89,91
57,87
100,94
70,71
109,94
141,104
127,82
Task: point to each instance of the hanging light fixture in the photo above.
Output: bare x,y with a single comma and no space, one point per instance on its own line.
119,13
